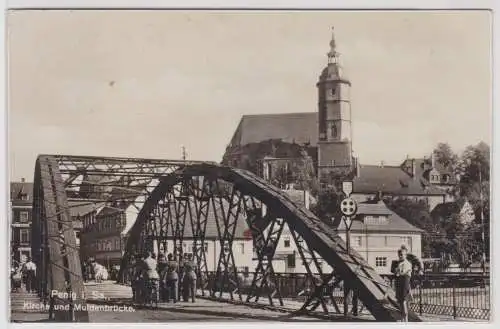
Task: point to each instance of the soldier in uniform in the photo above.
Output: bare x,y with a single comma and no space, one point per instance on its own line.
181,276
189,279
162,267
171,278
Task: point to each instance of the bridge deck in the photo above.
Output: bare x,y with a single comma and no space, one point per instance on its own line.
110,293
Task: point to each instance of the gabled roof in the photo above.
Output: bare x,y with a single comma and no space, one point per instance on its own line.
395,223
378,208
390,180
82,208
289,127
18,188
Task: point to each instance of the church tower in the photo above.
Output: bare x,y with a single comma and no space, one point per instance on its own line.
334,106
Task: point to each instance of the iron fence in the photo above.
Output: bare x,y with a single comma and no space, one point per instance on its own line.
457,295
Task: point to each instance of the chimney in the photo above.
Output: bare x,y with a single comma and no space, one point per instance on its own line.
433,160
23,180
413,169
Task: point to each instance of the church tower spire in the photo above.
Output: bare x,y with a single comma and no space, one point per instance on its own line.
334,108
332,54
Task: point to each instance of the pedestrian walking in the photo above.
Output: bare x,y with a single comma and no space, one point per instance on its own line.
171,278
403,289
189,282
29,272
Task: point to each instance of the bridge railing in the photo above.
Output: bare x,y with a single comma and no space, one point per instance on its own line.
454,295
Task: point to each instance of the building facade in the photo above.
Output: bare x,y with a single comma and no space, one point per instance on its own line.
21,203
377,233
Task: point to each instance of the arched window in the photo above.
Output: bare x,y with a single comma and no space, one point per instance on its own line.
334,130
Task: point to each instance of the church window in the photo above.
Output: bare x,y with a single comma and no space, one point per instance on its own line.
334,90
334,130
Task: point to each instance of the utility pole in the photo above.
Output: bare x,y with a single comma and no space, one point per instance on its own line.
482,218
183,153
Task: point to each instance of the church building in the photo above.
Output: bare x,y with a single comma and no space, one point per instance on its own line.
326,135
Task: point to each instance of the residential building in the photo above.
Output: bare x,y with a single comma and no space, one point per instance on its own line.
433,173
393,182
377,233
21,200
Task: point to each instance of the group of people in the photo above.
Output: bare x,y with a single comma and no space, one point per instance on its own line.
162,280
24,273
92,270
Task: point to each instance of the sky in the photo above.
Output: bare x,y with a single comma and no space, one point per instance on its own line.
146,83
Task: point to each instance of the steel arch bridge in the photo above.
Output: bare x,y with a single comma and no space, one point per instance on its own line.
171,196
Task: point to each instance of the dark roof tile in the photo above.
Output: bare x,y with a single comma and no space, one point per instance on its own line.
390,180
289,127
18,188
395,223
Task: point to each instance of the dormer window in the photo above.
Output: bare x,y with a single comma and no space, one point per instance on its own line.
376,220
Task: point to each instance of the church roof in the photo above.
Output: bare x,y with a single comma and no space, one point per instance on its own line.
390,180
289,127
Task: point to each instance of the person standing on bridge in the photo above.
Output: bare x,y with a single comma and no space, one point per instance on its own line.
136,278
189,280
171,278
152,278
403,288
181,276
162,266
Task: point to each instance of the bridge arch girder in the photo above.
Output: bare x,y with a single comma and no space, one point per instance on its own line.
187,194
320,239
